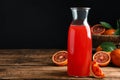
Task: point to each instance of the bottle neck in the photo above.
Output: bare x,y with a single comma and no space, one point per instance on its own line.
79,21
79,15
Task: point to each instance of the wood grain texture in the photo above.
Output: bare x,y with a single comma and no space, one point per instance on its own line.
37,64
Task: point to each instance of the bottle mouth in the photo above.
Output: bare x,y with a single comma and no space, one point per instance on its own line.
79,8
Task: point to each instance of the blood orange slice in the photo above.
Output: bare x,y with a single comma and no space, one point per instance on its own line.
60,58
102,58
96,71
97,29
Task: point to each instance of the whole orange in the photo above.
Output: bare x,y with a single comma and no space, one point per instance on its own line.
99,48
109,32
115,57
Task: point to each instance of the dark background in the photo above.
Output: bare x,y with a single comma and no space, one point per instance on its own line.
44,23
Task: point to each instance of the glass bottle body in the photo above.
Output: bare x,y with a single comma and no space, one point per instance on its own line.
79,44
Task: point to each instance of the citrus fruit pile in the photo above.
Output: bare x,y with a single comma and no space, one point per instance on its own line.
104,28
105,53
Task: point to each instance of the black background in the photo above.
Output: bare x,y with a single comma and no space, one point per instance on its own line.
44,23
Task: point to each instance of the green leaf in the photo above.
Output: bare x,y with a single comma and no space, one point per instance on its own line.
108,46
105,24
117,32
118,23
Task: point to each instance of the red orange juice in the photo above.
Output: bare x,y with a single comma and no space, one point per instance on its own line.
79,50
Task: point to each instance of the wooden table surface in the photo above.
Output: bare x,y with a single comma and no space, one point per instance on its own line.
37,64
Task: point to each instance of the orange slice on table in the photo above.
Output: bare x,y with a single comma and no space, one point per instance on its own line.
96,71
60,58
97,29
102,58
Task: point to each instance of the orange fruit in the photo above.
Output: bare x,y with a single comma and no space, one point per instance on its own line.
60,58
115,57
97,29
109,32
96,71
99,48
102,58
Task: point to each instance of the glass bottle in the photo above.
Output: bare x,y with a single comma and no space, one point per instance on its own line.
79,43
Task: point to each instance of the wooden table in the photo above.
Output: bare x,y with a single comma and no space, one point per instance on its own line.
37,64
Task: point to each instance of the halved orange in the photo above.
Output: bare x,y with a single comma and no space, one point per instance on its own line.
97,29
102,58
96,71
60,58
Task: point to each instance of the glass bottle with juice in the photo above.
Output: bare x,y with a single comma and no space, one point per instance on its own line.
79,43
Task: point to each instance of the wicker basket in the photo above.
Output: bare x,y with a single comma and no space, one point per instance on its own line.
98,39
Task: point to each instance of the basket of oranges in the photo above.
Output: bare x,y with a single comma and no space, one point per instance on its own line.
104,32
